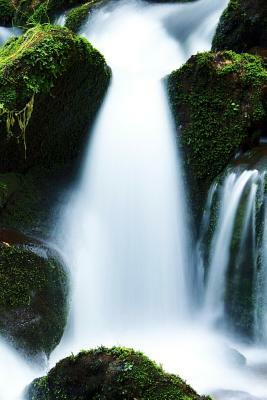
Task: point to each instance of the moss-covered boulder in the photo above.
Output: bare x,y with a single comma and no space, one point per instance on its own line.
242,26
51,85
76,17
219,104
110,374
33,297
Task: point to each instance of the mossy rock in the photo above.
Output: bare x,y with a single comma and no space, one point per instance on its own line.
31,12
110,374
33,298
219,104
76,17
52,84
242,26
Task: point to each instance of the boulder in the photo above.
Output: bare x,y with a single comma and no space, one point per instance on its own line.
242,26
33,298
110,374
52,83
219,104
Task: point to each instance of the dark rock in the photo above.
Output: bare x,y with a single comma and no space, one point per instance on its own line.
33,298
242,26
110,374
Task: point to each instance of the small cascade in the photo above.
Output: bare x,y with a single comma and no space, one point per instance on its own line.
233,253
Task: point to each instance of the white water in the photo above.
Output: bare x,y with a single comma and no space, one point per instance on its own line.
127,241
16,373
220,248
6,33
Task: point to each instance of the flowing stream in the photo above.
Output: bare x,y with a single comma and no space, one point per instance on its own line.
125,232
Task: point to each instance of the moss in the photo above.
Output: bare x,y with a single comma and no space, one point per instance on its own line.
218,102
242,26
77,16
59,80
30,12
110,374
33,296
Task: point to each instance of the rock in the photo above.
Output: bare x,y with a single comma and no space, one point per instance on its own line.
9,185
242,26
110,374
32,206
33,298
219,104
77,16
52,83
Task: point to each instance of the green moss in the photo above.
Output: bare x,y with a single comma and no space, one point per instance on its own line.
218,100
110,374
30,12
242,26
33,297
59,80
77,16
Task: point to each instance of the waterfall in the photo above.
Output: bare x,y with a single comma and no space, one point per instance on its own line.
235,268
127,241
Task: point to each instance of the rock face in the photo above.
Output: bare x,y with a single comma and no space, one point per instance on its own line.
219,104
110,374
33,298
51,85
243,26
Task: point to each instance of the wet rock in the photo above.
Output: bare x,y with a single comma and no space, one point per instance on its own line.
110,374
33,298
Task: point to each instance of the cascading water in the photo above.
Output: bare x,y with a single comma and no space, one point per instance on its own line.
232,191
127,241
235,259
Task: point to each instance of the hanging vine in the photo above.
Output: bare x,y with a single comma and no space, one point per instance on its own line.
21,118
